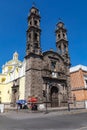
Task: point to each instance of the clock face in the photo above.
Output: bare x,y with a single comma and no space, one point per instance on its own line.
54,74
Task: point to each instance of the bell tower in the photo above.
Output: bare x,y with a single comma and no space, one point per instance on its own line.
62,42
33,32
62,49
33,79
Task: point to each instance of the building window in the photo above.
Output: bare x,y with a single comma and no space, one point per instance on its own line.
36,45
59,50
35,11
85,83
53,65
30,22
63,35
3,80
29,36
35,22
28,47
8,92
0,99
59,36
35,36
64,48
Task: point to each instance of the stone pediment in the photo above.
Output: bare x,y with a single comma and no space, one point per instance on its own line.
52,55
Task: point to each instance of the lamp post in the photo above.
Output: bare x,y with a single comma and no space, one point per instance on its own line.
69,104
46,98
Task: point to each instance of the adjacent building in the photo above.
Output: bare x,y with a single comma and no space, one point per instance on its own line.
78,76
12,81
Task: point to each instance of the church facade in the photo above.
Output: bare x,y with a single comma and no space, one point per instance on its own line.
47,73
44,75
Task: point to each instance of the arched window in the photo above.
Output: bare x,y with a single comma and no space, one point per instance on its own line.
29,36
35,45
35,11
35,36
59,49
0,99
28,46
35,22
59,36
64,48
30,23
63,35
53,65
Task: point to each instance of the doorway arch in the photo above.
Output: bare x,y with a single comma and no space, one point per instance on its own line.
54,96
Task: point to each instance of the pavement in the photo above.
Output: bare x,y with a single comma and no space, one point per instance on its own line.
28,114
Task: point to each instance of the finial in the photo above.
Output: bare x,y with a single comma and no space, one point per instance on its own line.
60,20
60,23
15,56
33,5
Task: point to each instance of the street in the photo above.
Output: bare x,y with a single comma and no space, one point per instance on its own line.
40,121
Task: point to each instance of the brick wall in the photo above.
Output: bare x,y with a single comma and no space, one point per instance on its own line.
77,79
80,95
77,85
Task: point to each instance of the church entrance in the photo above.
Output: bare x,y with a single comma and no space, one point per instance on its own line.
54,96
15,95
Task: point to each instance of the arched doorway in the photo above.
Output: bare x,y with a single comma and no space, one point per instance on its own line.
15,95
54,96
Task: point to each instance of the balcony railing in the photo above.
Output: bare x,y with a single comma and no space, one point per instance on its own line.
53,74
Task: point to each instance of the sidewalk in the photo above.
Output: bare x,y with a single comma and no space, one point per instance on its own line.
49,109
27,114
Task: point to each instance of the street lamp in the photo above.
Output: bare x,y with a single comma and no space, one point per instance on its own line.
46,98
45,94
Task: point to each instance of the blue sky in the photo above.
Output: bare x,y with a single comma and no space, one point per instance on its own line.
13,26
